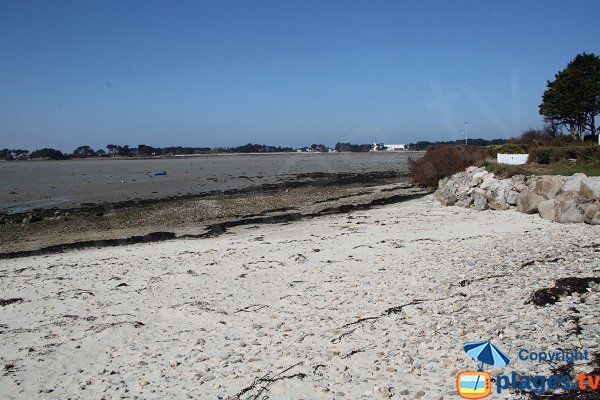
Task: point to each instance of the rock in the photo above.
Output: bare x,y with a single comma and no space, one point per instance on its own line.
479,199
528,201
173,363
498,205
595,219
590,188
385,392
573,183
548,186
497,194
590,210
473,169
445,196
547,210
466,202
511,197
569,207
488,181
520,187
477,178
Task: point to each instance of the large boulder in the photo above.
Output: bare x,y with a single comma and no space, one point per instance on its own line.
547,210
573,183
479,199
498,193
477,178
466,202
591,212
570,207
595,219
488,181
539,189
446,197
590,188
528,201
511,197
548,186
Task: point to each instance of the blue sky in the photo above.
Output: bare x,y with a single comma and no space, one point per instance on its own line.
225,73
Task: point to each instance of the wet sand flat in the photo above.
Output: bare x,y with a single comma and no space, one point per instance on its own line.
29,185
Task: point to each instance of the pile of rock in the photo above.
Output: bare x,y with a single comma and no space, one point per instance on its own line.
573,199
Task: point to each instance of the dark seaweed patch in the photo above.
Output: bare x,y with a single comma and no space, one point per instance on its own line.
562,287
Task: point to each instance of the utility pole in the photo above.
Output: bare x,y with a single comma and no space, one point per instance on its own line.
466,129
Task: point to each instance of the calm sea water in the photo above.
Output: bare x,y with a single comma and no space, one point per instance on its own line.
43,184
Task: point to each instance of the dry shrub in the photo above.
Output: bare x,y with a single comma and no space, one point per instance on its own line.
534,137
509,148
441,161
548,155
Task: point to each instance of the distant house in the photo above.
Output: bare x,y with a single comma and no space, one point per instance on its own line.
388,147
395,147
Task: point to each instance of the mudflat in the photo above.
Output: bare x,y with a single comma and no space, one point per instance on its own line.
28,185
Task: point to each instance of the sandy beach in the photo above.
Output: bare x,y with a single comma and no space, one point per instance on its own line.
371,304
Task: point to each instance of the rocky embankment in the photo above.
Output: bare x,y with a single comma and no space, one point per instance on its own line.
573,199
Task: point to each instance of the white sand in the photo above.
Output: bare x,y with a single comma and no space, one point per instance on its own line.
258,300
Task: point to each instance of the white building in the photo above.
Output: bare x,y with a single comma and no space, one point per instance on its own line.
389,147
394,147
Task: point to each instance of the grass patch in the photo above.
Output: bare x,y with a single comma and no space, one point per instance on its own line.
563,167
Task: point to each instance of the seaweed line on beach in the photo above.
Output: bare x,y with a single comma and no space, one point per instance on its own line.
387,312
263,383
213,230
562,287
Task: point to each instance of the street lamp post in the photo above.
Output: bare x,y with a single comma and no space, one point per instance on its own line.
466,129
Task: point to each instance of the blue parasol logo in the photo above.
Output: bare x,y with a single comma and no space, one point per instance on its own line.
486,353
476,385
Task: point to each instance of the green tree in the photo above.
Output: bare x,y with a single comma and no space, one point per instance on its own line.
51,154
572,99
112,149
84,151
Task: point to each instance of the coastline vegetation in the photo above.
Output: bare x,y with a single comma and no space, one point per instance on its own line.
569,142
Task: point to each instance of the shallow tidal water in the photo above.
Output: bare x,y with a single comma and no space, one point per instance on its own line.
27,185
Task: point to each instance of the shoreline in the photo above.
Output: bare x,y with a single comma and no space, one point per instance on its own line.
375,303
193,216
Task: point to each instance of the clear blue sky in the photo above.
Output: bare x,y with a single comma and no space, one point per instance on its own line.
225,73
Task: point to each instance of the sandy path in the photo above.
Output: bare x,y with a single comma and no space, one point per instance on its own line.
105,323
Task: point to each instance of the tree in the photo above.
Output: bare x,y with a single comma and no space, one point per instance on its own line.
572,99
84,151
144,150
124,151
112,149
51,154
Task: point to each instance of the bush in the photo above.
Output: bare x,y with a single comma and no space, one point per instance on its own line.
547,155
441,161
510,148
534,137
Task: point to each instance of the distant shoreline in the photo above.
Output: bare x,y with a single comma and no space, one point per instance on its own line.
183,156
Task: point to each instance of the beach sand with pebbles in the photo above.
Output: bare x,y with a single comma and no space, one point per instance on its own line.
372,304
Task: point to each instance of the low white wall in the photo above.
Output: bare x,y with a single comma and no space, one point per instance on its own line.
513,159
